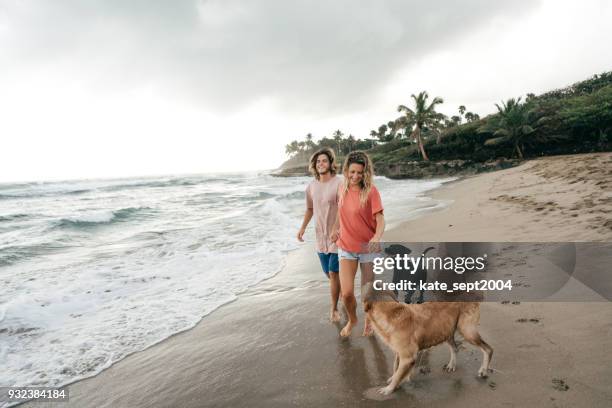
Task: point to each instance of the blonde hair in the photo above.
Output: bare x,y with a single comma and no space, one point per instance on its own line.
330,156
358,157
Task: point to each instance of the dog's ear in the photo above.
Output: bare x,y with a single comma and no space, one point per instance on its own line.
367,305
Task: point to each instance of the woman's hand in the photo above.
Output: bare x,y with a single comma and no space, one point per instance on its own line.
333,237
374,244
300,234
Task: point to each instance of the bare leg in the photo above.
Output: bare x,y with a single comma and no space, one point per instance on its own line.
403,371
348,270
334,287
452,364
367,275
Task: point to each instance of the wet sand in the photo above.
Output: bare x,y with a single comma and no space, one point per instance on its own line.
274,346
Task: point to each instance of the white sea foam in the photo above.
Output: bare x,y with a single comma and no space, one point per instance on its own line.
93,217
182,249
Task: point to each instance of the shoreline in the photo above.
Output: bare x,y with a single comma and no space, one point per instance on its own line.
205,313
274,346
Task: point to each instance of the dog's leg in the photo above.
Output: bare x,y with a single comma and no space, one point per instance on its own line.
408,296
395,279
395,364
452,364
367,327
471,335
403,370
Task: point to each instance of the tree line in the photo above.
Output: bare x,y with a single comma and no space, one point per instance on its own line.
572,119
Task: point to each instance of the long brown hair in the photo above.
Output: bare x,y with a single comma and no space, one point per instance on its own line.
362,158
330,156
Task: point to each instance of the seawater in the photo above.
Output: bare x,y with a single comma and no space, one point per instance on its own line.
91,271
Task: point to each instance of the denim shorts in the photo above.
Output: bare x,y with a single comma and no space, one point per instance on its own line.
364,257
329,262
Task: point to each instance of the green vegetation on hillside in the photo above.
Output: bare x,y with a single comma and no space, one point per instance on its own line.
575,119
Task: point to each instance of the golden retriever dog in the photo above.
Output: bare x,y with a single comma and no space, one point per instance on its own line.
409,328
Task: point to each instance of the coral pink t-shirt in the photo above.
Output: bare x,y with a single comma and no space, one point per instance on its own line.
357,223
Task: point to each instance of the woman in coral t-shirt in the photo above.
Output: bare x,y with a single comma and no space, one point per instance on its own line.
361,224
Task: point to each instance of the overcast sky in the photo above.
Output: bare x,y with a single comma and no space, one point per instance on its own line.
109,88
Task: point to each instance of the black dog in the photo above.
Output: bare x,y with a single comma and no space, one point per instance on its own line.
420,275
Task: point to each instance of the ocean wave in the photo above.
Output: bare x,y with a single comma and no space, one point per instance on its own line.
262,195
32,190
13,217
295,195
179,182
11,255
51,189
100,217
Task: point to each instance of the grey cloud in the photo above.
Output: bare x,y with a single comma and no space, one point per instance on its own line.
318,56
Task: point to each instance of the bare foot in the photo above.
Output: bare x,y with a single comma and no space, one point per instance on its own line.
346,330
334,316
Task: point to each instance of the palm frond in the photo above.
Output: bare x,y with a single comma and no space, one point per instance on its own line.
497,141
404,108
526,129
501,133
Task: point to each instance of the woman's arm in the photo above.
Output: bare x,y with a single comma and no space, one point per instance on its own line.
380,227
374,245
333,236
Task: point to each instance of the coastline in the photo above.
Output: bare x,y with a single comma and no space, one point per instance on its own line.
273,346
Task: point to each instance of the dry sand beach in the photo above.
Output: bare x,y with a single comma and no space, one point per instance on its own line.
275,347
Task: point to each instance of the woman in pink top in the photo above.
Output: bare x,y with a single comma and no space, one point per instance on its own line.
361,224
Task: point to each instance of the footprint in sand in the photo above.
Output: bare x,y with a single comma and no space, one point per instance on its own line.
525,320
424,370
559,384
528,346
530,320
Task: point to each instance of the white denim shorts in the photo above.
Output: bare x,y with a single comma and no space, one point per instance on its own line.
363,257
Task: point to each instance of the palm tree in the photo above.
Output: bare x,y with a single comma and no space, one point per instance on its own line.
338,139
424,115
292,148
461,110
511,126
350,141
382,133
310,144
392,125
402,123
471,117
